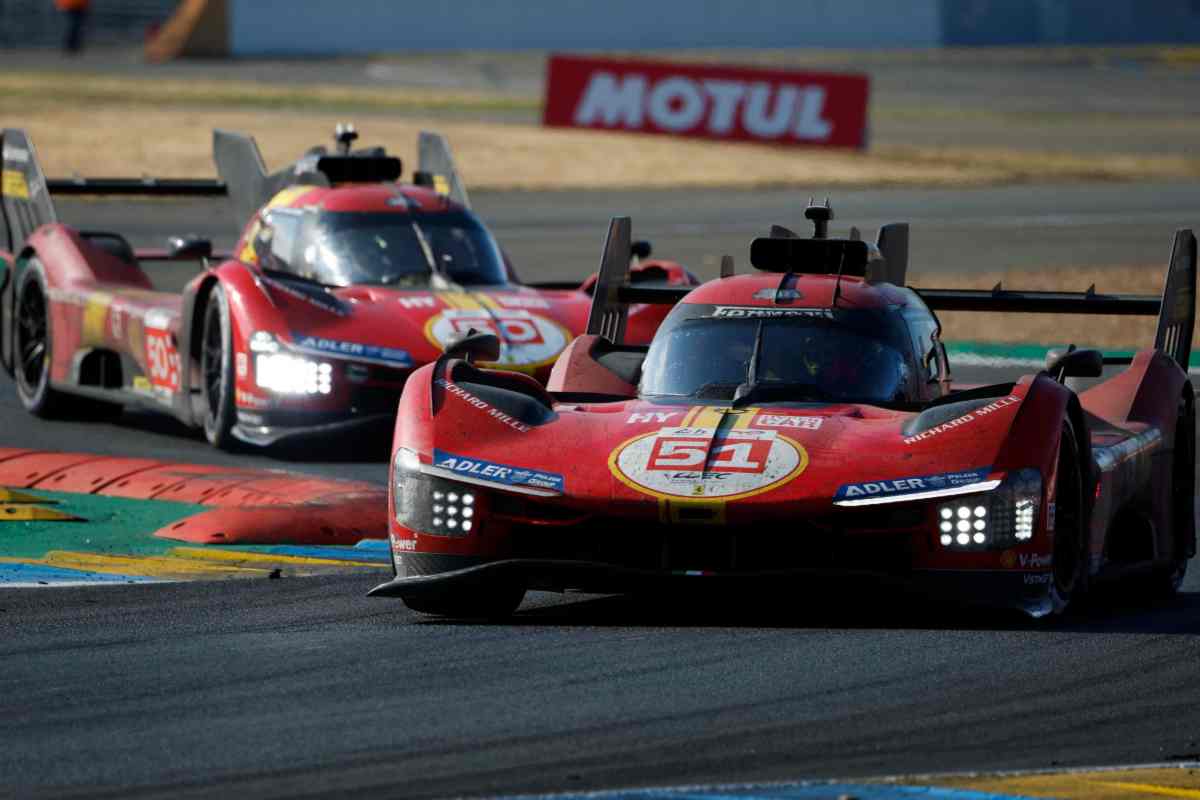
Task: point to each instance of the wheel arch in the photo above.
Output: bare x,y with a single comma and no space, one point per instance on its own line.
195,300
1187,538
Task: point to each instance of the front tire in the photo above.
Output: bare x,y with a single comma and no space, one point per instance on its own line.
491,603
1070,552
33,345
216,371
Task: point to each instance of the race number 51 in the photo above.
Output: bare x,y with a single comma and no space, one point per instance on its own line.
687,453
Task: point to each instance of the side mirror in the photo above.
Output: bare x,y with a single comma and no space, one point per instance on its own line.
189,248
1072,363
641,249
475,346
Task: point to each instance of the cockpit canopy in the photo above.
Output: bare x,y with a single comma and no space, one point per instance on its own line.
774,354
379,248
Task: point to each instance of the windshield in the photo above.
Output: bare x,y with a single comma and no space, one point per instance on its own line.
396,249
850,358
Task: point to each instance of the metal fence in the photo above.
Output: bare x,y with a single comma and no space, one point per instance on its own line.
37,23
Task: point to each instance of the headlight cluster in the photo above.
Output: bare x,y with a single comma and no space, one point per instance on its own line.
962,525
284,373
1004,517
453,510
429,504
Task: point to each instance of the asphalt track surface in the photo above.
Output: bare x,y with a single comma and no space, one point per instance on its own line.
305,687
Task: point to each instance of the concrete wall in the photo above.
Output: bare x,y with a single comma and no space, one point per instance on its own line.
25,23
327,27
1079,22
365,26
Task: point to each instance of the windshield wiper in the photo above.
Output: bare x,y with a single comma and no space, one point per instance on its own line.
746,390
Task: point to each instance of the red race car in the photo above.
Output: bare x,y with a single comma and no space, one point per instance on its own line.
797,423
343,282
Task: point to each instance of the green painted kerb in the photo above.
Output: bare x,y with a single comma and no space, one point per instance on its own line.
115,525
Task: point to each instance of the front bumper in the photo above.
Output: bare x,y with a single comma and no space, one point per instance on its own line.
433,575
270,432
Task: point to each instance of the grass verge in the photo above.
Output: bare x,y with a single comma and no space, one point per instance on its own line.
175,141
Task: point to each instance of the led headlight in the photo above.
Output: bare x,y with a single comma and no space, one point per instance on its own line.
288,374
429,504
1001,518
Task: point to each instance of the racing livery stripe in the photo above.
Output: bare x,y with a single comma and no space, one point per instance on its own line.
745,417
462,301
707,417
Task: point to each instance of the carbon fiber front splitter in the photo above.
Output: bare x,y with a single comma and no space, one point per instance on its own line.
434,575
266,435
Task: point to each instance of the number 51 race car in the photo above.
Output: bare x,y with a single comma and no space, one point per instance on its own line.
798,422
343,282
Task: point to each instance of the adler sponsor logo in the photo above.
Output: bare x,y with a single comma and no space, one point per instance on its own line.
885,487
715,102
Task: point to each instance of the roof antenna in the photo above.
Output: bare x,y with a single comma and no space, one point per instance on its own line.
820,216
837,282
345,135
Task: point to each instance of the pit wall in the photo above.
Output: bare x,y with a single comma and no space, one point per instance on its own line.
329,27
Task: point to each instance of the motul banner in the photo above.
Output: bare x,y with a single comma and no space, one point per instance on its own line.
711,102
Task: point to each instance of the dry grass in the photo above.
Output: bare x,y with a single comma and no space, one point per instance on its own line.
1103,332
53,90
176,142
120,125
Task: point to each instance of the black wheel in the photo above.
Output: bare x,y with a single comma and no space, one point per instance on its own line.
32,345
1166,582
1070,550
216,371
490,602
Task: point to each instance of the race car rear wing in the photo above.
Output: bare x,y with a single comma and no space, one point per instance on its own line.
240,164
25,192
614,291
1176,308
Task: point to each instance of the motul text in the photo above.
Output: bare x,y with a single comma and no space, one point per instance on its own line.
706,101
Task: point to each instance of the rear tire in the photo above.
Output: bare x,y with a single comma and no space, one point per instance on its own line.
33,345
216,371
1070,553
491,603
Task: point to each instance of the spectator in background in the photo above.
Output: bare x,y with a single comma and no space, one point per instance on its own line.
76,14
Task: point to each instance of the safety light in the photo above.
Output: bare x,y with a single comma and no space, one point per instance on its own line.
430,504
288,374
1001,518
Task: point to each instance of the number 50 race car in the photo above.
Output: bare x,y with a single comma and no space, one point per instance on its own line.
798,422
343,282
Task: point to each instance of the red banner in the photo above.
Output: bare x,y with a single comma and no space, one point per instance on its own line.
710,102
